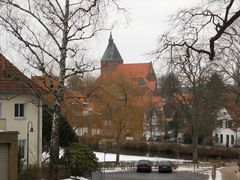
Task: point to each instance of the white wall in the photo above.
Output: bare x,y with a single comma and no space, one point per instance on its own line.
224,132
31,113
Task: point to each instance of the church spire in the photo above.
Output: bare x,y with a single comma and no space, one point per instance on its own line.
111,53
110,38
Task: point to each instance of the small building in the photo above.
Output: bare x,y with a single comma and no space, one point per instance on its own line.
8,155
227,133
21,110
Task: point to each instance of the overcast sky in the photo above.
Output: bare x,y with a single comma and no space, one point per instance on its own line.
148,21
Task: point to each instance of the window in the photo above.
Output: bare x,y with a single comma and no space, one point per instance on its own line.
96,131
107,122
22,148
221,138
229,124
232,139
141,82
19,110
108,132
81,131
216,138
85,131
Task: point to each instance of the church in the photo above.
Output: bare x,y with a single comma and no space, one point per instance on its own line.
144,77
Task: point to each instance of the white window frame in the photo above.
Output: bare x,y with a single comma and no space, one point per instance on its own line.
18,115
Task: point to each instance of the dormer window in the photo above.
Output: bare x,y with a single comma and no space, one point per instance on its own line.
141,82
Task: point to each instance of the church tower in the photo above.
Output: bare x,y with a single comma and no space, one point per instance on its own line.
111,57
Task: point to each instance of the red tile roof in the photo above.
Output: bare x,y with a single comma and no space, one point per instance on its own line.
12,81
46,83
136,70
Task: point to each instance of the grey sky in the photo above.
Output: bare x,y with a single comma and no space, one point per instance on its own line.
148,21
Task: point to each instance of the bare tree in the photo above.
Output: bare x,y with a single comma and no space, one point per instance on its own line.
193,73
50,35
117,102
230,67
203,28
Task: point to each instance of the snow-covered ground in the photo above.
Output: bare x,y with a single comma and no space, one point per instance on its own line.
111,157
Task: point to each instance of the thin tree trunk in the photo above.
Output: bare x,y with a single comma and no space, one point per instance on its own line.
118,148
151,137
195,146
54,147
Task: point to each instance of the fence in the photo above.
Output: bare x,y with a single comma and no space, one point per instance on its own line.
131,165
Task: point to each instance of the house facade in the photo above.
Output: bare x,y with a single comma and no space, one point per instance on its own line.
20,110
227,133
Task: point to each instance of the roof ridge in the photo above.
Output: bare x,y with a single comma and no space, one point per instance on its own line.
134,63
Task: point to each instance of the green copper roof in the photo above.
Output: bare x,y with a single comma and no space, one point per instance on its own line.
111,53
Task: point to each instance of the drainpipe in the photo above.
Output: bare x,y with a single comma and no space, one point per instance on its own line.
236,139
38,132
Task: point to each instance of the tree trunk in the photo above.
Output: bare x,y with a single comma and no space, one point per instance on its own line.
54,148
151,129
118,148
195,146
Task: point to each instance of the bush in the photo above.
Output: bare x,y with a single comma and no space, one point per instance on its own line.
79,159
30,173
66,133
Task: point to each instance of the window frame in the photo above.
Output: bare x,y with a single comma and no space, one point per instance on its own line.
232,139
17,110
221,138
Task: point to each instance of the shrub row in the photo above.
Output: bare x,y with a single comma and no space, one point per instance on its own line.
173,148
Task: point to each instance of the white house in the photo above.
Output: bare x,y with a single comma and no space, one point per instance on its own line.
226,134
20,110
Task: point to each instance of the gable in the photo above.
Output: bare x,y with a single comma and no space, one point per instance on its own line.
12,81
143,73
